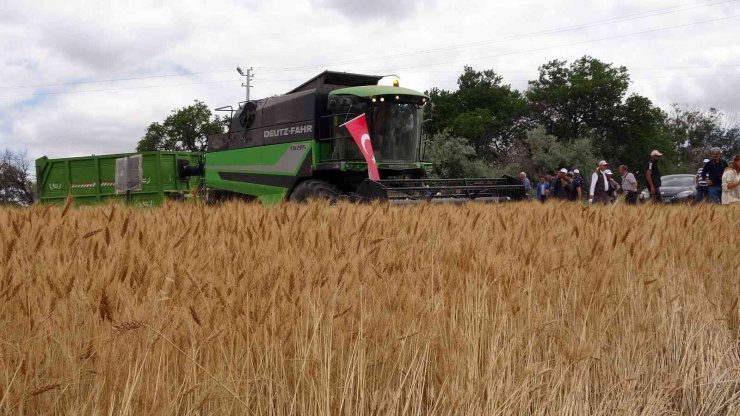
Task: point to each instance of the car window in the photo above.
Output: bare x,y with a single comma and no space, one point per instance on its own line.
678,181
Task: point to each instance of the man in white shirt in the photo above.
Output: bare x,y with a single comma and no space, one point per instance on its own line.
629,185
599,192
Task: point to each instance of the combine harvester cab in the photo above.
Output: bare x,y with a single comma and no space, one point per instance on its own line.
295,147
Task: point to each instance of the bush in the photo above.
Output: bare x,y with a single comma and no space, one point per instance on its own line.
550,153
454,157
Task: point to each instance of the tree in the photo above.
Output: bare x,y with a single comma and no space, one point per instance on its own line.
454,157
731,144
638,129
484,111
584,96
186,129
588,99
16,187
692,132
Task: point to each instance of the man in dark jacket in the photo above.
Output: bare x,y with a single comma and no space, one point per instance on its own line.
712,173
652,176
577,185
562,187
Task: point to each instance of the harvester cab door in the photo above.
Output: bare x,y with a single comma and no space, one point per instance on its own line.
341,110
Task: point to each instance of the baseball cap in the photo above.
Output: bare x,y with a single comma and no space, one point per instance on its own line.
563,170
608,172
603,162
656,153
576,171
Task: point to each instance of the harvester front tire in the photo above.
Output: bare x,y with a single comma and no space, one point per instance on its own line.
314,189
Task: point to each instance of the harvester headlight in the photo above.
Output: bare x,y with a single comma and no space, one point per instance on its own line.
398,98
373,99
382,99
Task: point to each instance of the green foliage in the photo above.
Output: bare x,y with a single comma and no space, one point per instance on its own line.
571,100
510,169
454,157
588,98
549,153
640,128
186,129
730,144
487,113
691,133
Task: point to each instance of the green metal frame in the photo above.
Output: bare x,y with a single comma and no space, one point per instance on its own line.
90,179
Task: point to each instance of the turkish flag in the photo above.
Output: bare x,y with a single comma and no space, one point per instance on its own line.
358,129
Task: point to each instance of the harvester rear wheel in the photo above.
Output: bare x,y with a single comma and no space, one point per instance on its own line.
314,189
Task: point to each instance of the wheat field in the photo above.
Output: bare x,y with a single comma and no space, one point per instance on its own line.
511,309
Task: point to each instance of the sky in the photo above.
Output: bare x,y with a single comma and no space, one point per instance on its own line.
82,77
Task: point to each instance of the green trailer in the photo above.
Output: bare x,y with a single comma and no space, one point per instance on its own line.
92,179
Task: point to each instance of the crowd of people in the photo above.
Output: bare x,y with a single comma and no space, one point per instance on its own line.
717,181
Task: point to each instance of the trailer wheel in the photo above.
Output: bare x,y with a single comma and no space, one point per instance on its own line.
314,189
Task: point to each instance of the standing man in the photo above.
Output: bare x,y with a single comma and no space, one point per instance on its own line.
527,185
549,179
629,185
561,187
712,173
542,189
702,188
577,185
652,175
599,192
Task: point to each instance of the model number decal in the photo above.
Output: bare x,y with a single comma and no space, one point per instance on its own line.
289,131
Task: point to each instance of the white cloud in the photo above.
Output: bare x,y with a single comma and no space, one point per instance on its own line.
359,10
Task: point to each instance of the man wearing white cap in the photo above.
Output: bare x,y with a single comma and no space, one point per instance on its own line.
652,175
562,187
599,192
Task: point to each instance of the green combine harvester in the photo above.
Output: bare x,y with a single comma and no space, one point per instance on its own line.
294,147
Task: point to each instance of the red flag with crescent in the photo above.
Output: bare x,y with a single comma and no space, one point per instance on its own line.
358,129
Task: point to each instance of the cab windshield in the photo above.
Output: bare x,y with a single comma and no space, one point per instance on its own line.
395,129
